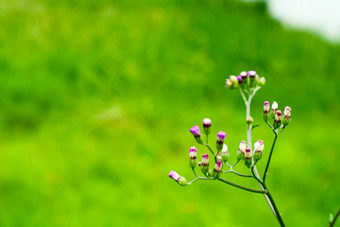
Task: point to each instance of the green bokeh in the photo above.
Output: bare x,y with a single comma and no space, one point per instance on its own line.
97,98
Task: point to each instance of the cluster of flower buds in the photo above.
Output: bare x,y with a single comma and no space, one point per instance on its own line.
276,114
179,179
245,80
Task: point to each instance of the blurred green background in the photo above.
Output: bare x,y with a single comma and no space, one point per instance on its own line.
97,98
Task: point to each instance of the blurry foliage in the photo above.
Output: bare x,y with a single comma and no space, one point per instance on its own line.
97,98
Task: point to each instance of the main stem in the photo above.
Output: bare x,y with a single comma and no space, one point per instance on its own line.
267,195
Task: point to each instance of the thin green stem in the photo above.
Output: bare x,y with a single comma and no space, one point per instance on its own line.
242,187
237,173
334,220
269,158
207,145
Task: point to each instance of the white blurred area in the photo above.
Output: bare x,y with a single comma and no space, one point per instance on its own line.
320,16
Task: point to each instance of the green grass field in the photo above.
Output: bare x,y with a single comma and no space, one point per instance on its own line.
97,98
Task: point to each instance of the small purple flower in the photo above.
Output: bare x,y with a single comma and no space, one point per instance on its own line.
248,153
266,107
218,166
199,163
195,130
239,79
205,159
206,122
243,75
278,113
252,73
221,136
192,152
174,175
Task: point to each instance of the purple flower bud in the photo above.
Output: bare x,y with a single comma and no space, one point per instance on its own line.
220,136
286,113
252,73
199,163
206,122
242,146
277,119
243,75
266,107
219,157
218,166
195,130
174,175
259,146
205,159
239,79
248,153
192,152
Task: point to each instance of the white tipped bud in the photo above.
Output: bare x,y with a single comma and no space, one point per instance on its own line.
259,146
274,106
225,153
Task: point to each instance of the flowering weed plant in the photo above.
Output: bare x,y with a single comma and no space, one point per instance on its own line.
248,83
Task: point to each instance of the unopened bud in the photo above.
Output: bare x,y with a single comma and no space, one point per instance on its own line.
252,78
179,179
234,81
274,109
286,115
248,157
224,153
249,120
228,84
220,140
217,169
258,147
277,119
266,109
206,125
241,150
193,157
219,157
195,130
205,163
261,81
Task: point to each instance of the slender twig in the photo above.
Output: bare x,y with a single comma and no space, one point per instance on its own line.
334,219
237,173
193,169
249,145
242,187
207,145
235,163
269,158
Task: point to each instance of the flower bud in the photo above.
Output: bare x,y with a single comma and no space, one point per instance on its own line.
241,150
274,109
225,154
277,119
179,179
252,78
193,158
234,81
220,140
217,169
248,157
249,120
266,109
218,157
205,163
258,147
261,81
244,75
195,130
228,84
286,116
206,125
